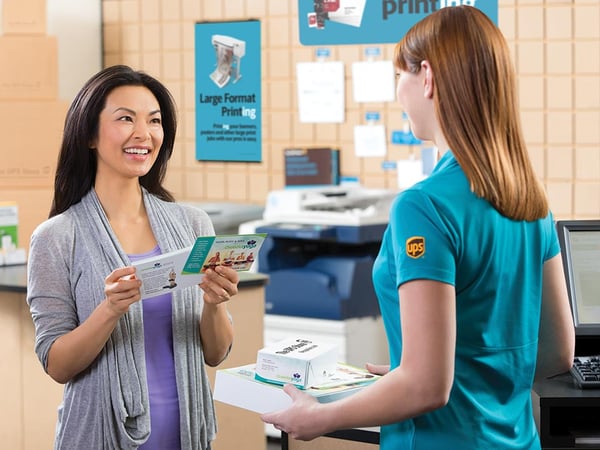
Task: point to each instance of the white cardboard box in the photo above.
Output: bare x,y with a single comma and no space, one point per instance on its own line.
238,387
298,361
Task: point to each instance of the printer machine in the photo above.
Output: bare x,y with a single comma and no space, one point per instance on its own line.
320,248
350,214
319,253
350,205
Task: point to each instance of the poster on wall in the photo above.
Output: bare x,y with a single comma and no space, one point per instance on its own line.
228,91
338,22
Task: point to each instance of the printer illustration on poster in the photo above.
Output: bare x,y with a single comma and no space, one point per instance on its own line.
339,22
228,113
228,52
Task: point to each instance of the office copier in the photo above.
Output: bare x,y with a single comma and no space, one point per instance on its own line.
319,253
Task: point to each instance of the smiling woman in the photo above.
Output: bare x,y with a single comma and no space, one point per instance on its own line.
110,209
130,124
76,171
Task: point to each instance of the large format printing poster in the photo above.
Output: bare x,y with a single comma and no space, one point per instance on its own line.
228,91
333,22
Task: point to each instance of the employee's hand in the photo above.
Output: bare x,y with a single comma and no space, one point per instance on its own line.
219,284
299,421
378,369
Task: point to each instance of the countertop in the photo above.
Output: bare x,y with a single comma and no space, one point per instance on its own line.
14,278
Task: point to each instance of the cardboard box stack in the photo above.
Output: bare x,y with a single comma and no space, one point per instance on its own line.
31,114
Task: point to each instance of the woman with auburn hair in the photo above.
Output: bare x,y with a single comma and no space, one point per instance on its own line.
469,275
475,99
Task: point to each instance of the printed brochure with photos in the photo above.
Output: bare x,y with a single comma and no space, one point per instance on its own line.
184,268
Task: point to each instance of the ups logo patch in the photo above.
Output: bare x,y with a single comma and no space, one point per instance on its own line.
415,246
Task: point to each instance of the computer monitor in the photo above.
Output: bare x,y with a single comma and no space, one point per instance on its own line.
580,249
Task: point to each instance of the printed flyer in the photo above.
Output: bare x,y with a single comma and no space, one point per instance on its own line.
186,267
238,386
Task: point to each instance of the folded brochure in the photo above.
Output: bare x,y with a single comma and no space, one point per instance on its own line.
183,268
238,387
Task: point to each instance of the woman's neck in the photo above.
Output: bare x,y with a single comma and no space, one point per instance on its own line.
121,201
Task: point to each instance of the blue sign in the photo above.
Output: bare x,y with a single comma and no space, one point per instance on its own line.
338,22
228,91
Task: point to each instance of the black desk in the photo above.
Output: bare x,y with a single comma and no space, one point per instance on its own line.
568,415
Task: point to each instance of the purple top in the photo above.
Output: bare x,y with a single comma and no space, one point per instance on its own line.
160,368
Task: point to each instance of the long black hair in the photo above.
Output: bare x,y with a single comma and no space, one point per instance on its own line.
77,163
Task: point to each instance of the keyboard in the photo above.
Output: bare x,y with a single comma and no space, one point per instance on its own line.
586,372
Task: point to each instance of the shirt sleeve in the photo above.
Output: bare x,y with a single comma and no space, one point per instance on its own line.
553,247
49,293
422,240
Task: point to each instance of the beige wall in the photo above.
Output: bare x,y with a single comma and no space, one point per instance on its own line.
556,48
556,45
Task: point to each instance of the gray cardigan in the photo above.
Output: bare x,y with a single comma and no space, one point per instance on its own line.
106,406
